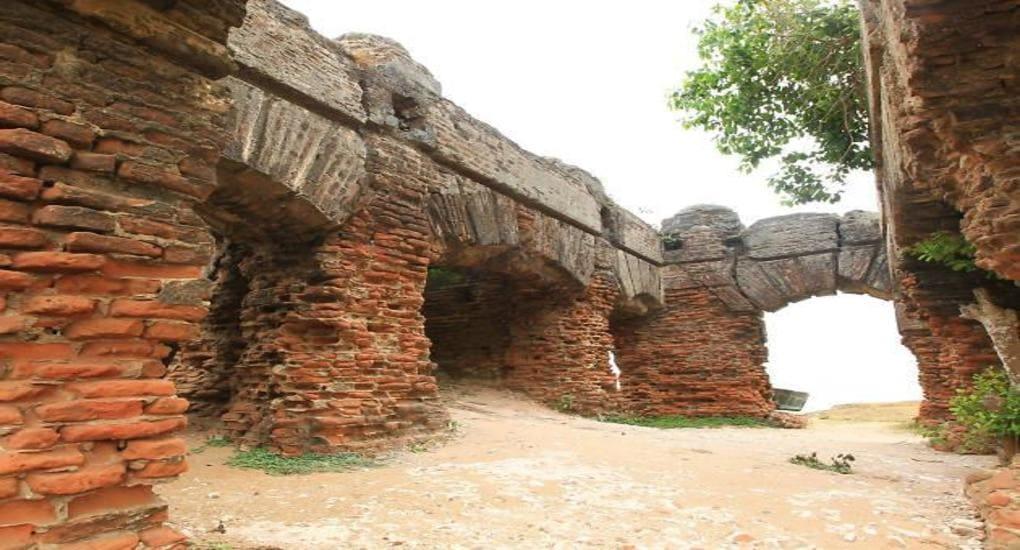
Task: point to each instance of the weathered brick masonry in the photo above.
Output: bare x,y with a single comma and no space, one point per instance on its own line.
248,217
302,203
695,357
110,129
944,87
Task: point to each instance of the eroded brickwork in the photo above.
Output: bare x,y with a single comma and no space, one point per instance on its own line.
104,147
996,495
943,85
202,369
301,202
695,357
560,342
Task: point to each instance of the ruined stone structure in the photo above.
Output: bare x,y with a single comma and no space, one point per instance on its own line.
206,201
704,352
944,87
264,237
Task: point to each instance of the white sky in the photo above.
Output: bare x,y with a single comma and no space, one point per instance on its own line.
587,82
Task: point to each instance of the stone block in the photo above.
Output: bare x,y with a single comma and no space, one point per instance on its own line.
791,235
321,161
860,227
771,284
473,146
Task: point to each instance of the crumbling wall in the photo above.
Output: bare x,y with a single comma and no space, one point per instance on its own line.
203,367
111,124
695,357
943,87
559,346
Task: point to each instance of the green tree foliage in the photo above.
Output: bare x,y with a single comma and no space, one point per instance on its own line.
783,79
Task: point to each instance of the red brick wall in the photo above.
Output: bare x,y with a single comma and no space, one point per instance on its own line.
694,357
104,146
203,367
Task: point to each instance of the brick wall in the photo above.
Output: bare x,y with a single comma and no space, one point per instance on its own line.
560,344
104,146
695,357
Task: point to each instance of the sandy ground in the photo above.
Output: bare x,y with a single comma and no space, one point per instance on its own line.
521,476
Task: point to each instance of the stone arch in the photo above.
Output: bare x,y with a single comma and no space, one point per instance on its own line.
475,226
703,353
549,286
786,259
286,172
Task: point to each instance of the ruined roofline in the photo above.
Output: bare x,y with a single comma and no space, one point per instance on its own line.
371,84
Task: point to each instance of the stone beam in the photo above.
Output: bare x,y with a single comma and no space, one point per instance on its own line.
277,48
319,161
776,260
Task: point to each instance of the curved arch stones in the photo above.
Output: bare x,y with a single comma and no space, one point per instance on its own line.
776,261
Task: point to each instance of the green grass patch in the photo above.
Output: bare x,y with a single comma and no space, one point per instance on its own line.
277,465
688,421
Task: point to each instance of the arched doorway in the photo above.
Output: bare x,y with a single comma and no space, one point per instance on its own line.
840,349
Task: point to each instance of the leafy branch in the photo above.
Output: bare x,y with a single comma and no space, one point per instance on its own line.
783,79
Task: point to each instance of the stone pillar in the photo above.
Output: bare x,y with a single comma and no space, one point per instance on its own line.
105,145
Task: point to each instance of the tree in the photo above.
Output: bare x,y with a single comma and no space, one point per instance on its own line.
783,79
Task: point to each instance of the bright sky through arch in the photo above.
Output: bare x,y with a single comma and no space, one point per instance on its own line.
587,82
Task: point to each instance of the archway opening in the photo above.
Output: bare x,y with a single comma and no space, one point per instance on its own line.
467,315
842,349
263,241
504,322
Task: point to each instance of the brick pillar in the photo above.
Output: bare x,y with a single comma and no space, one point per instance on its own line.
949,349
935,378
104,146
694,357
559,345
336,356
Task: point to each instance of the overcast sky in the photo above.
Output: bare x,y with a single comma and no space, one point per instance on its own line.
587,82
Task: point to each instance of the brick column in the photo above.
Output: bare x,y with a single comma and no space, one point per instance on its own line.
104,147
559,345
695,357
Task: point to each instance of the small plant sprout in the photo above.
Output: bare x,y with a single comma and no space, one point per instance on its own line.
841,463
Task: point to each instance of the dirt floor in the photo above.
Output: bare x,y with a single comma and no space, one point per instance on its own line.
518,475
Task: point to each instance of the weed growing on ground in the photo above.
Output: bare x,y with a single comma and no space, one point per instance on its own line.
277,465
565,403
841,463
213,441
687,421
418,447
